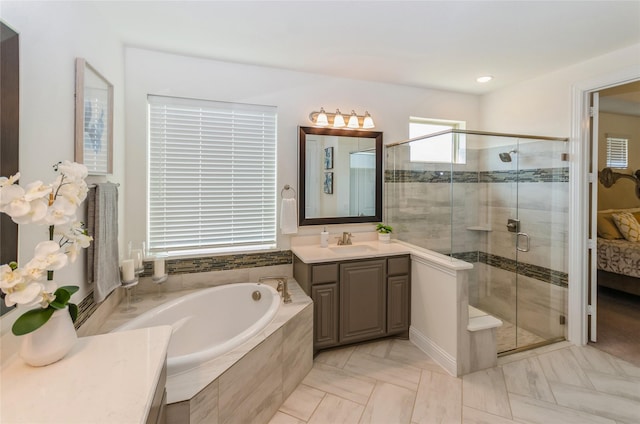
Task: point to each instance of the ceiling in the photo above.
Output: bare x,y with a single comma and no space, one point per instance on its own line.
429,44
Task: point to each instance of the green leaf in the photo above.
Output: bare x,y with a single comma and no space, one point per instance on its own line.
73,311
62,296
31,321
70,289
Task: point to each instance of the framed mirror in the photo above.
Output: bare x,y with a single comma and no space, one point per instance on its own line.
340,176
94,120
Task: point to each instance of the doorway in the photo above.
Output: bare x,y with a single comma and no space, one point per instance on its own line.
615,280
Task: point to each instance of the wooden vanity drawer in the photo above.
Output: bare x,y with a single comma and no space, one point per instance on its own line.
398,265
325,273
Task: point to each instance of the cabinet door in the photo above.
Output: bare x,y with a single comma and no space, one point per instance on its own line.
325,314
363,300
398,304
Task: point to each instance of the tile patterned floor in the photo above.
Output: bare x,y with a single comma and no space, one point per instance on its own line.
391,381
510,337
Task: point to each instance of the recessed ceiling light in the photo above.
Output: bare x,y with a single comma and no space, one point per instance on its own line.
484,79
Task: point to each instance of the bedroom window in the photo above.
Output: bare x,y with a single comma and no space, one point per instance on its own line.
617,152
447,148
212,176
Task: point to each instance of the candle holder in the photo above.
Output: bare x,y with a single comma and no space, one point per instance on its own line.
128,286
158,281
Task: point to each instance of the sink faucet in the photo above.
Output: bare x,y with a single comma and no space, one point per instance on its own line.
346,239
283,287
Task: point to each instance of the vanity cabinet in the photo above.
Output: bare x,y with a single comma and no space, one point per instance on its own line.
357,300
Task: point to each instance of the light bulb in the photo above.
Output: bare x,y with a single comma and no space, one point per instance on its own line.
322,120
353,120
338,120
368,121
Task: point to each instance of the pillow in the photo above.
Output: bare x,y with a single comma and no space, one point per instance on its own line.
607,228
628,225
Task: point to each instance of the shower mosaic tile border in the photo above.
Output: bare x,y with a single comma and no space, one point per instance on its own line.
536,175
540,273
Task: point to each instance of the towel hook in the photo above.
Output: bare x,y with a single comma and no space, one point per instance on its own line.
288,187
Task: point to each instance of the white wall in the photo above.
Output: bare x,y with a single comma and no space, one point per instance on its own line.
52,35
542,106
295,94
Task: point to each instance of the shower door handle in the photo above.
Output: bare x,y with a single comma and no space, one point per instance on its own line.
526,236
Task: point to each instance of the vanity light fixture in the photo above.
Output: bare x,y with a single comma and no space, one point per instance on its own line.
336,120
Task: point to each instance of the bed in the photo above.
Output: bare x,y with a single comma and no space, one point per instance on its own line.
618,258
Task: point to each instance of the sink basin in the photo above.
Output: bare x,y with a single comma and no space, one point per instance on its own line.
351,249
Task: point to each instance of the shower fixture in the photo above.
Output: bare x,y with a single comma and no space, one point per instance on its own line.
506,157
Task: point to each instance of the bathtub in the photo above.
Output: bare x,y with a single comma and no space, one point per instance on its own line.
210,322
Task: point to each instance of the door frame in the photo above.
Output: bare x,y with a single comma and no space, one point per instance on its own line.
579,207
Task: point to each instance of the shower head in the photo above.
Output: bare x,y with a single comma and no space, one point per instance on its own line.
506,157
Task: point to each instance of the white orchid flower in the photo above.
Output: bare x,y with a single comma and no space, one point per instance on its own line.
9,278
49,252
73,170
74,192
60,212
35,215
36,190
12,201
4,181
26,296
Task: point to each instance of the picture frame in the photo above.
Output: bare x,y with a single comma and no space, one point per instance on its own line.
93,120
328,182
328,158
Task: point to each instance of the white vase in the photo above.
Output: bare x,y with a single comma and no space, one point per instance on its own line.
384,237
51,342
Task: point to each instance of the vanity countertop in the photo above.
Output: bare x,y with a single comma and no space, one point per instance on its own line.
358,250
109,378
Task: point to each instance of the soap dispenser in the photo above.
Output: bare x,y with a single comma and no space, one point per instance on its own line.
324,238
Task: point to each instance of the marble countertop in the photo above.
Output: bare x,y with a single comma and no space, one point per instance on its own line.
108,378
313,253
308,250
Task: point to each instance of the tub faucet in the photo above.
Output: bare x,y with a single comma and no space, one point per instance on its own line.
346,239
283,287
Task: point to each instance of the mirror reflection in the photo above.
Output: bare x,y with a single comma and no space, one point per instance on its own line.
340,176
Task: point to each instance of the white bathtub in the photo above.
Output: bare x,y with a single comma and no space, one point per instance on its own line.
210,322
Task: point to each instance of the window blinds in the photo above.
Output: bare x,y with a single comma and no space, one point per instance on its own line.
212,175
617,152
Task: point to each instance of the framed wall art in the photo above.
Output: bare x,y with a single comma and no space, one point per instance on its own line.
328,158
94,120
328,182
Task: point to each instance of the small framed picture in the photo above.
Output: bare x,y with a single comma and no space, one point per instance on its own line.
328,182
328,158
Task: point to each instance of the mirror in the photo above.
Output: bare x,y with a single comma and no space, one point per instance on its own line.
9,132
340,176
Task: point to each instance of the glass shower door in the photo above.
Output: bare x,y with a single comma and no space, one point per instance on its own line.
521,270
541,242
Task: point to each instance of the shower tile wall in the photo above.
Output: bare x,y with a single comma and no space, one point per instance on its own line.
485,194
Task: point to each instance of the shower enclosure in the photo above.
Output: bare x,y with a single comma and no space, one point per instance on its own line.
500,202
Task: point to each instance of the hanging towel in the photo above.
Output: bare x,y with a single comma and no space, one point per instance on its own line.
102,254
288,216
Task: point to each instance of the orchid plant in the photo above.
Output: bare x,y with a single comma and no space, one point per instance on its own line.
53,205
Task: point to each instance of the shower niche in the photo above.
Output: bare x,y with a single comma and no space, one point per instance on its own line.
502,205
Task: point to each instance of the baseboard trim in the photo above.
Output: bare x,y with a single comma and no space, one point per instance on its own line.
444,359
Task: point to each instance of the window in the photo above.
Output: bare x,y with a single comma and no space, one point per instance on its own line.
212,175
447,148
617,152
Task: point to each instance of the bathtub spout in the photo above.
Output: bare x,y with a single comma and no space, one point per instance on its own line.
283,287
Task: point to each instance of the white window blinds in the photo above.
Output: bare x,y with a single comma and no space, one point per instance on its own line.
212,175
617,152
